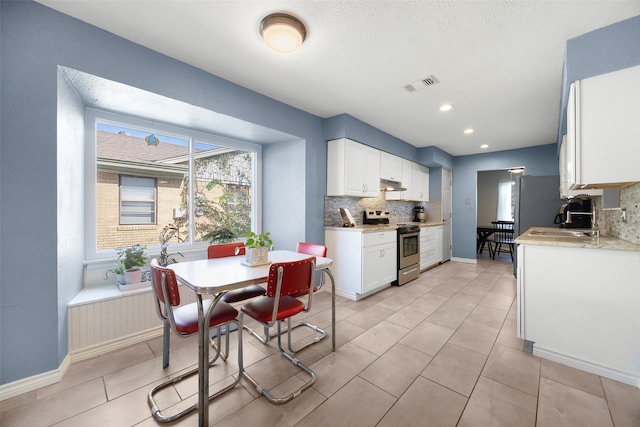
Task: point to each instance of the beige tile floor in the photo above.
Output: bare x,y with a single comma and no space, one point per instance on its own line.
439,351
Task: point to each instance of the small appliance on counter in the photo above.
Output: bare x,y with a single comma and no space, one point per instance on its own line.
575,214
419,214
347,218
375,217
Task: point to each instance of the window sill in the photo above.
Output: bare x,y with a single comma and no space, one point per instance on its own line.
104,293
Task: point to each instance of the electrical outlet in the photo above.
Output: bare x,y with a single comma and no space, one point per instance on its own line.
623,215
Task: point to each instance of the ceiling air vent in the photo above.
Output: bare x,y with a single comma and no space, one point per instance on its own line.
421,84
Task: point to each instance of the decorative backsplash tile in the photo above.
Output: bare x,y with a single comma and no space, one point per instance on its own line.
610,220
399,211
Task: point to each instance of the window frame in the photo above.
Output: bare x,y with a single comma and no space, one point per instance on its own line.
92,116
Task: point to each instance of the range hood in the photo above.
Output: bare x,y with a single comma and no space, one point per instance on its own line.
389,185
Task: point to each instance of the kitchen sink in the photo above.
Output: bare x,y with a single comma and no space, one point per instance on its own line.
563,233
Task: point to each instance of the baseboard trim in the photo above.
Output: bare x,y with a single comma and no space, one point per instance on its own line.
465,260
35,382
115,344
25,385
583,365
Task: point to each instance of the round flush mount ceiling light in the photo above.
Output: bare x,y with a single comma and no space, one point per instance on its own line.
468,131
283,33
446,107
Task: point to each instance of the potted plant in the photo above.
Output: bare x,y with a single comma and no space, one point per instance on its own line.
118,270
132,258
257,248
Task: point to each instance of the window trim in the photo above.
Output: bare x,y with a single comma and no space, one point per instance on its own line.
94,115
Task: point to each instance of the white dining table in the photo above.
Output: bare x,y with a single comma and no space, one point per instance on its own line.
219,275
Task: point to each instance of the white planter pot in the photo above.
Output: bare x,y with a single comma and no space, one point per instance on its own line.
257,256
133,276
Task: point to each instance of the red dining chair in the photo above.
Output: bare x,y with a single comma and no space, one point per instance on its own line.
285,279
226,250
183,320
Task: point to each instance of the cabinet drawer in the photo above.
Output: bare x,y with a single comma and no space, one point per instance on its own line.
378,238
427,232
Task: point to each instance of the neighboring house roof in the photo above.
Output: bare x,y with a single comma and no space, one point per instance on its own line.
123,153
124,147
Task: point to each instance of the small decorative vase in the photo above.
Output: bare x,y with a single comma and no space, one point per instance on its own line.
257,256
133,276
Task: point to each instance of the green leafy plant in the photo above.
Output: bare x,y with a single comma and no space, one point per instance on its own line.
132,257
118,268
222,235
257,240
167,234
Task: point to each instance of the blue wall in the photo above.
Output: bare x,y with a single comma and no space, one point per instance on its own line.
39,248
601,51
34,283
540,160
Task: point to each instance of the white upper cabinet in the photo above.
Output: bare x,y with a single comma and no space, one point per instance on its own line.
420,183
405,179
353,169
565,193
603,141
390,166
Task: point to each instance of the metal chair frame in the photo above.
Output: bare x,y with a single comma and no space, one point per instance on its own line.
276,296
166,313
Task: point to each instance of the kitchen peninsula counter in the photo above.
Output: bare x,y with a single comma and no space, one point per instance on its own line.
577,301
546,236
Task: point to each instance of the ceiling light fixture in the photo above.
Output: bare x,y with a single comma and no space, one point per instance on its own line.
484,146
468,131
446,107
283,33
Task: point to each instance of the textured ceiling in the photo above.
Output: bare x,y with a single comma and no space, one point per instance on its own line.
498,62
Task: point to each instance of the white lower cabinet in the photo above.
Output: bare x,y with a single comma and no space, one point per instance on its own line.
363,263
430,246
579,307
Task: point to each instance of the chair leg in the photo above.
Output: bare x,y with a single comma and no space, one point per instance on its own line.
264,339
315,339
165,345
296,362
496,249
157,413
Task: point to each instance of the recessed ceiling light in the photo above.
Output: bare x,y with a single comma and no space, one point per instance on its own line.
484,146
446,107
468,131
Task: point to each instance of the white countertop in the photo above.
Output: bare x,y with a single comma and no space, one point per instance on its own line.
365,228
536,236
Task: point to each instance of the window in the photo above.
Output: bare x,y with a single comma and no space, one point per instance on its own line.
137,200
144,178
506,200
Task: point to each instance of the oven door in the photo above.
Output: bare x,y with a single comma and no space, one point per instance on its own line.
408,250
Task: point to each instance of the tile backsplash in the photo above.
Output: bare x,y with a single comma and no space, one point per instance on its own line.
610,220
399,211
